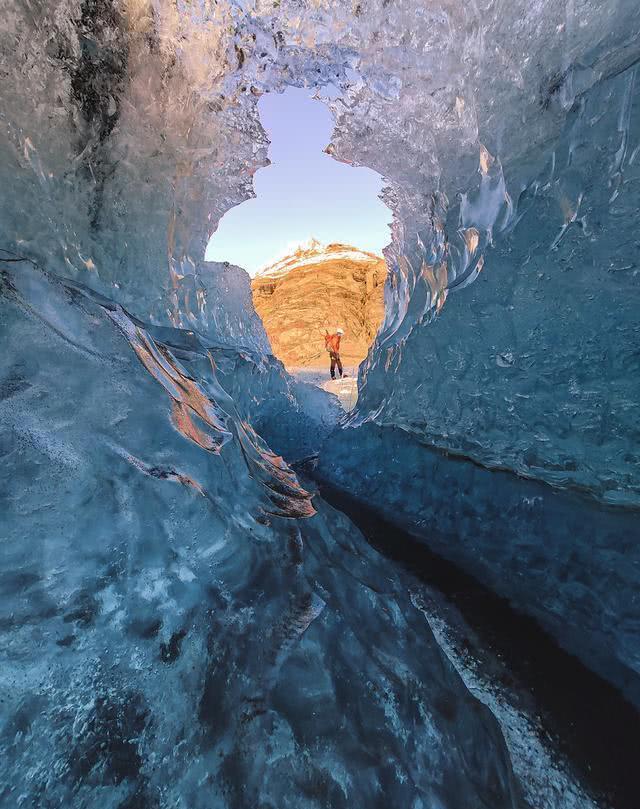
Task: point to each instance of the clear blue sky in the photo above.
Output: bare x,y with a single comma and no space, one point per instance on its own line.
303,194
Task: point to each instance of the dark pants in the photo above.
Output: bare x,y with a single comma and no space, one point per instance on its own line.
335,360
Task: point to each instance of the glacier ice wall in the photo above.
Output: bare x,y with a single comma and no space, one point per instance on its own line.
534,365
516,352
117,146
215,300
293,417
129,128
559,556
179,625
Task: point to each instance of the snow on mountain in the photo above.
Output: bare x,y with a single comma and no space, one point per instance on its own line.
313,252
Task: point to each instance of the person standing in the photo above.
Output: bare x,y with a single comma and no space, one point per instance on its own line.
332,345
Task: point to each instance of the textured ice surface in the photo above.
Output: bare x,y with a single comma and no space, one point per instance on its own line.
179,628
535,366
129,128
215,300
294,416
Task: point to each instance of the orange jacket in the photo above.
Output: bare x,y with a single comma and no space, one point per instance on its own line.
332,342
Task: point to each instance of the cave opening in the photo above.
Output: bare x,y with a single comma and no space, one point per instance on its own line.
311,237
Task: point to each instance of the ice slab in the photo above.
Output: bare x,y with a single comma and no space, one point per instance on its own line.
181,622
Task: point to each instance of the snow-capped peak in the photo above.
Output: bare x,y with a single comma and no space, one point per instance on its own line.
311,251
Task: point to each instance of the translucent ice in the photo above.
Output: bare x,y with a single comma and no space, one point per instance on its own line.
511,344
179,625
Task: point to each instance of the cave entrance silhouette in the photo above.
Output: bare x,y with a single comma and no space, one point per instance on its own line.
312,239
304,194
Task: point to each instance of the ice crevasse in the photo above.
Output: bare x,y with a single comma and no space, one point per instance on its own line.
183,623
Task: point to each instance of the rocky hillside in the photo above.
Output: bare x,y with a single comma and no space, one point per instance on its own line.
321,287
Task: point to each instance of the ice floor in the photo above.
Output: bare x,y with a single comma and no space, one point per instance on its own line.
346,389
186,625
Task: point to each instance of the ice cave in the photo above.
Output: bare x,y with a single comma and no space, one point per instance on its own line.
211,593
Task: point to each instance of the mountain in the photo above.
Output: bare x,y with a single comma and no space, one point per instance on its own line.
316,288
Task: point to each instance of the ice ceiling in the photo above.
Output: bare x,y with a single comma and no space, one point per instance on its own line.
508,134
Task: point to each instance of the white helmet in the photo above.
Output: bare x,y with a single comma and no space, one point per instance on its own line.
339,331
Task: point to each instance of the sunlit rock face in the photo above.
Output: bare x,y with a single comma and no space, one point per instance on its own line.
315,290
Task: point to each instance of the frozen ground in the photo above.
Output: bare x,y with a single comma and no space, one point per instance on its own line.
346,389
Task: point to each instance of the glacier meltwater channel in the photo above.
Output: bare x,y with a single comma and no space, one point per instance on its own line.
183,621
